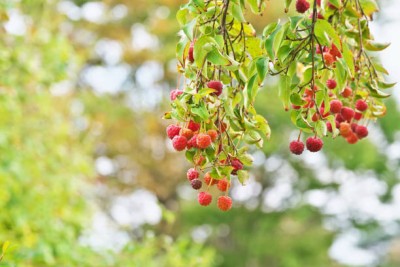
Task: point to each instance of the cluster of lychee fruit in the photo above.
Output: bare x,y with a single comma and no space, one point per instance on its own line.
195,137
204,198
347,120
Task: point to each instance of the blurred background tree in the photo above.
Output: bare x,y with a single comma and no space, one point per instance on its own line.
89,179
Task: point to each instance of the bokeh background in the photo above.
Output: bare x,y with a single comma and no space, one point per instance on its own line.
88,177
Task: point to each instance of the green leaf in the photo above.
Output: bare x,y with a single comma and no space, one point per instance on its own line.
188,29
320,128
237,12
324,32
284,90
369,7
243,176
348,58
375,46
201,111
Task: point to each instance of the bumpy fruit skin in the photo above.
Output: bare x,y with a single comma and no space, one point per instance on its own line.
352,138
186,133
223,185
192,174
217,86
174,94
192,142
190,53
345,129
358,116
196,184
213,134
208,180
336,106
331,84
224,203
204,198
302,6
237,165
354,126
203,141
328,59
347,92
194,126
339,118
347,113
296,147
179,142
361,131
314,144
173,130
361,105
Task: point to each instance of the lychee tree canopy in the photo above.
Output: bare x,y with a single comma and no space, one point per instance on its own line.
322,53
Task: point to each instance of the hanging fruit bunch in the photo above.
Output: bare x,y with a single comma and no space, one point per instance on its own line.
328,81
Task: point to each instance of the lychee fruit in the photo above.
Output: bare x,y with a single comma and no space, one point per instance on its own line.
196,184
179,142
314,144
224,203
173,130
186,133
204,198
302,6
192,173
203,141
296,147
347,113
192,142
217,86
223,185
352,138
336,106
213,134
361,105
358,116
335,52
347,92
361,131
194,126
328,59
345,129
331,84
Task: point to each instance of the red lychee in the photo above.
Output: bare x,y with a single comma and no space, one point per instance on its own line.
347,92
173,130
331,84
336,106
314,144
179,142
352,138
192,173
237,165
302,6
203,141
213,134
361,105
224,203
204,198
296,147
194,126
186,133
174,94
361,131
328,59
347,113
192,142
223,185
209,180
